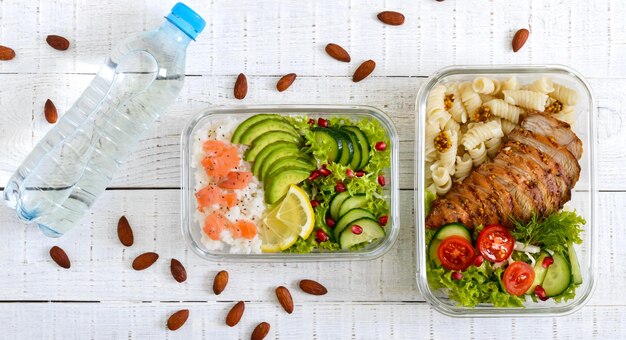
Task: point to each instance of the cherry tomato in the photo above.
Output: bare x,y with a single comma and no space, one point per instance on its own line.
495,243
518,277
455,253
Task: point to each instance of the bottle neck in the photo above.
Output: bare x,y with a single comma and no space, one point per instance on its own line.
175,33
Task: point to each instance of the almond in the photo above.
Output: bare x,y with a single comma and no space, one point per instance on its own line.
337,52
50,111
58,42
178,271
125,232
220,281
285,299
312,287
145,260
178,319
6,53
363,71
241,86
391,18
235,313
60,257
285,82
519,39
260,331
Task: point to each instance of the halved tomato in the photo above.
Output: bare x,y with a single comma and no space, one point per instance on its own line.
495,243
455,253
518,277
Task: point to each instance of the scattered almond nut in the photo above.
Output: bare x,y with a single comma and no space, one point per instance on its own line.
6,53
364,70
125,232
220,281
285,82
337,52
260,331
58,42
284,297
60,257
235,314
178,319
312,287
178,271
145,260
519,39
241,86
391,18
50,111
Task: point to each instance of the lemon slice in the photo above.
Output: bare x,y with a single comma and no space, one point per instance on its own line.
290,219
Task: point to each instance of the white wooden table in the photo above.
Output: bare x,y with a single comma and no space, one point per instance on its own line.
102,297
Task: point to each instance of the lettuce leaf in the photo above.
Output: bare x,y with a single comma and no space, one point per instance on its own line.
554,232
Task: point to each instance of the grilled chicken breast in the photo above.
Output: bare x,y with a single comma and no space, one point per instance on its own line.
533,173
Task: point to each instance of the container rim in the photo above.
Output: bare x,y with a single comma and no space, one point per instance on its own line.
420,107
381,248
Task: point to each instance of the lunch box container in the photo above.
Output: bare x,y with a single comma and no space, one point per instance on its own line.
192,231
584,194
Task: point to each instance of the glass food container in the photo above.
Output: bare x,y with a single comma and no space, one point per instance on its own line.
583,194
192,230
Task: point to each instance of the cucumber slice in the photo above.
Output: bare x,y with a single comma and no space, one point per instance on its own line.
349,217
347,152
265,126
335,203
328,139
540,272
453,229
371,231
558,276
365,145
432,250
577,278
356,158
248,123
357,201
263,141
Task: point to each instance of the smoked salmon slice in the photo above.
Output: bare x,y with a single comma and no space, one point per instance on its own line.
243,228
236,180
214,224
220,158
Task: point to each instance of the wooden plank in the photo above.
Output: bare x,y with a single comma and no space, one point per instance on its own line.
101,265
272,38
315,320
156,161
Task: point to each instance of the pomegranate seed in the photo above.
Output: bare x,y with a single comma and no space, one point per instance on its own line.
479,260
383,220
330,222
323,166
457,276
340,187
381,180
311,121
320,236
314,174
541,293
547,262
360,173
322,122
315,203
350,173
357,229
380,146
324,172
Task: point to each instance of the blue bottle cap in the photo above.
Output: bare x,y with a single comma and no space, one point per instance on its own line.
187,20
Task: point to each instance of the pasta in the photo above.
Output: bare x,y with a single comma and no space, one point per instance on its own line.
480,132
493,146
463,166
458,112
565,95
507,126
435,110
486,85
526,99
510,84
543,85
432,130
452,125
478,154
441,179
502,109
471,100
447,158
567,114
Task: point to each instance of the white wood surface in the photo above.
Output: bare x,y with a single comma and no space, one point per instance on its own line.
101,297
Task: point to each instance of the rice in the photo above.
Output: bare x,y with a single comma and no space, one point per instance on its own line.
250,201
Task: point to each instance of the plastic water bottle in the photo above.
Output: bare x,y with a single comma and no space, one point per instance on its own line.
73,164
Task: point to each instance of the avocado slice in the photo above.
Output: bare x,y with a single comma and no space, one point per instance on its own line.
277,186
264,140
260,158
248,123
288,163
265,126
